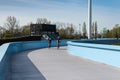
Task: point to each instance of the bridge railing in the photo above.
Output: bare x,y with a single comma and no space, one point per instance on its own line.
8,49
104,53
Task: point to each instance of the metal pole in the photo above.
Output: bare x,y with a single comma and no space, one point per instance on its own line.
89,19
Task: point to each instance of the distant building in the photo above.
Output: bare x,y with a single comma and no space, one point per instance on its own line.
44,30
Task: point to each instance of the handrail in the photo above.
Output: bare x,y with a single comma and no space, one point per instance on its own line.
104,53
8,49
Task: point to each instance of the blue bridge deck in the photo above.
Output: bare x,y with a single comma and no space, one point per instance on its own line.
57,64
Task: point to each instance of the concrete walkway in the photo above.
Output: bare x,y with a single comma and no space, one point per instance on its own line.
54,64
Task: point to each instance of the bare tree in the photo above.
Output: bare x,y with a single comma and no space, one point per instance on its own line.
79,31
11,24
2,29
96,30
43,21
1,32
84,30
93,30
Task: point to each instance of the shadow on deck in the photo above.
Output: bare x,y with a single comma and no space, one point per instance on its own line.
23,69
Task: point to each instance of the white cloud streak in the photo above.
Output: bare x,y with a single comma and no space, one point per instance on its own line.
75,11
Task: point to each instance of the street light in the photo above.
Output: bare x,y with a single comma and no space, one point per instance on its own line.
89,19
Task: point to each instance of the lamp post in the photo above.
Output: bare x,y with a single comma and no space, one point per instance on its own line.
89,19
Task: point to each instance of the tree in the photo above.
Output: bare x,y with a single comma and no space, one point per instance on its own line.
26,30
79,32
2,30
119,31
84,30
93,30
70,30
43,21
7,36
12,25
61,29
96,31
66,30
106,33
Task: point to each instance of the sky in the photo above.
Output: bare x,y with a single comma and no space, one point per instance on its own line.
105,12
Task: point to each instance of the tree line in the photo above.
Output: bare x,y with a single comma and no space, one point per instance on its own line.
12,29
112,33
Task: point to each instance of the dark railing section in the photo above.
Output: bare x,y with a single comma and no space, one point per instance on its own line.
108,42
26,38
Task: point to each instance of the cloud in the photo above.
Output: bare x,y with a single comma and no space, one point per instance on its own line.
73,11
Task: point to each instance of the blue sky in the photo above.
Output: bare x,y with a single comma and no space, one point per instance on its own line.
105,12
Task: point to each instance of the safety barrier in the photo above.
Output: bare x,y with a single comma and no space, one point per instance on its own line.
108,54
8,49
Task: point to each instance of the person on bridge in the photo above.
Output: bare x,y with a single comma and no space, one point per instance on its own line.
50,41
58,42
